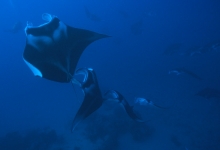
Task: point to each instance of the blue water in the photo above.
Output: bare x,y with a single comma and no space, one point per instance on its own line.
132,61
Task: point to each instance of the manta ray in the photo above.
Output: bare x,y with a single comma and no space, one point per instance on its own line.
179,71
115,95
53,49
92,95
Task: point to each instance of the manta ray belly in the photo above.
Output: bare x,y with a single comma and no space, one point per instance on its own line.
39,42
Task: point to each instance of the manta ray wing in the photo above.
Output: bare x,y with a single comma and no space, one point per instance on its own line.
92,99
53,49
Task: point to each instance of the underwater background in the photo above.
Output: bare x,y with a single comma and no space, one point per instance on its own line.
149,41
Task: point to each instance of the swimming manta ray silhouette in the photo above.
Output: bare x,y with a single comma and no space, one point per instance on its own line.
53,49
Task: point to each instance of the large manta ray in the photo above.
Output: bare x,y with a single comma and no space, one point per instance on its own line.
53,49
92,95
